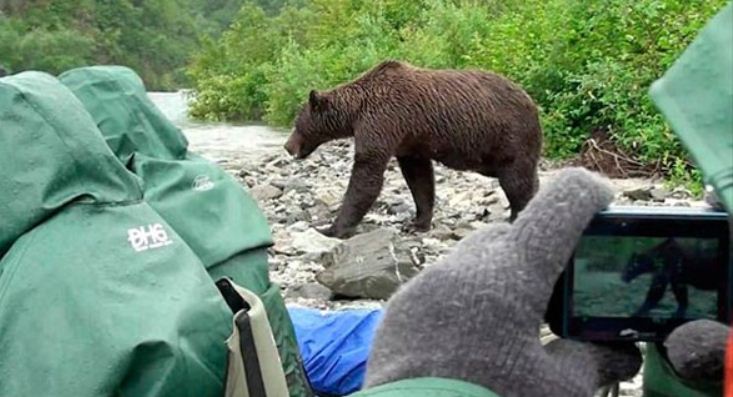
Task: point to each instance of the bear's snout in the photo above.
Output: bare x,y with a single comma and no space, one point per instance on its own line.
288,147
293,145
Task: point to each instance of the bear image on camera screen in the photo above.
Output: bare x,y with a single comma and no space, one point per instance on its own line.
678,269
464,119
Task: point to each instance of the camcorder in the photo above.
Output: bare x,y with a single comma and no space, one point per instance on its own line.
637,273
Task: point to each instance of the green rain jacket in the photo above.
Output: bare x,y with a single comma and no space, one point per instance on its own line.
206,206
99,296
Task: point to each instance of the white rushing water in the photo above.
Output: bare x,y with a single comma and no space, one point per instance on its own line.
220,142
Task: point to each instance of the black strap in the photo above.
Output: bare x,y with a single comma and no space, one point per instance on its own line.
231,296
252,371
248,349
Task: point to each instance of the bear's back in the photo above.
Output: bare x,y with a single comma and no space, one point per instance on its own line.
457,117
445,92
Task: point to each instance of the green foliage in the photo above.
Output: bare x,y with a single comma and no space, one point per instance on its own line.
154,37
587,63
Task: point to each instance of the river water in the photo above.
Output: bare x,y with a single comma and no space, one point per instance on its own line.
225,143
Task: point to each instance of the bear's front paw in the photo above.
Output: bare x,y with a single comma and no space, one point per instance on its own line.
334,232
418,227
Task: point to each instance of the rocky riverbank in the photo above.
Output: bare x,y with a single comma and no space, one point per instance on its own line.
298,195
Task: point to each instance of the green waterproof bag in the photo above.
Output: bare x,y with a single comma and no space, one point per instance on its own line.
99,296
207,207
696,97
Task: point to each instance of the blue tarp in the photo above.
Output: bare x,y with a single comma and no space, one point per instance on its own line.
335,346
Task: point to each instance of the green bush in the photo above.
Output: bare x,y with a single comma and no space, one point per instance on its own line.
587,63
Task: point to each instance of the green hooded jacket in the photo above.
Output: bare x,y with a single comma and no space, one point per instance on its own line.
98,294
206,206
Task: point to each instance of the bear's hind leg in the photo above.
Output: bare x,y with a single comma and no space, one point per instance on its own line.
418,173
520,183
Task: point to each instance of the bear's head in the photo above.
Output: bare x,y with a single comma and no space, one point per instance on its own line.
319,121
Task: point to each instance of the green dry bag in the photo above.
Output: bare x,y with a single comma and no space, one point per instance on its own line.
696,97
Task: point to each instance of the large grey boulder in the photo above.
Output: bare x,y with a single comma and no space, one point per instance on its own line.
370,265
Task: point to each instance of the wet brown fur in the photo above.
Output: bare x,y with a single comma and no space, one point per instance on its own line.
466,120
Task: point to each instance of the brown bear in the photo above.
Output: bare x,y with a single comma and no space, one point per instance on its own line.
464,119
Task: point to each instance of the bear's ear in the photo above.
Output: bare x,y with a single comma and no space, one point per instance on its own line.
317,101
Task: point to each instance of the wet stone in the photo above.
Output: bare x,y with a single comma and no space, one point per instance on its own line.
310,291
398,207
641,194
265,192
299,185
462,231
680,193
658,194
313,242
371,265
298,216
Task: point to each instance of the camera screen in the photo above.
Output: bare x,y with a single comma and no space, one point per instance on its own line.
652,277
